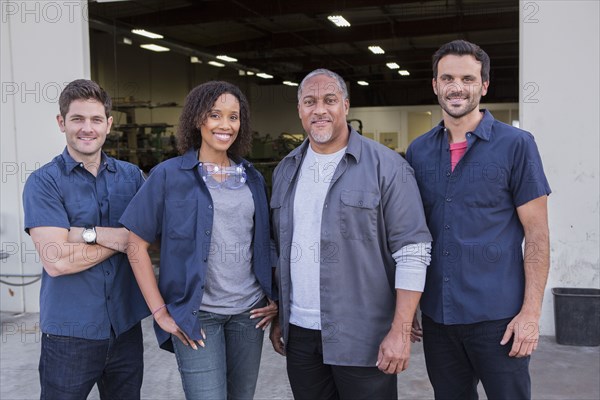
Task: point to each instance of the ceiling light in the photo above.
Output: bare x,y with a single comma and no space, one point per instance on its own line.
154,47
126,40
339,21
241,72
264,76
227,58
392,65
195,60
150,35
290,83
216,64
404,72
376,50
249,72
363,83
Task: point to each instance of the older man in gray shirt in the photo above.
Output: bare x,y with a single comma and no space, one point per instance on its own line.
353,248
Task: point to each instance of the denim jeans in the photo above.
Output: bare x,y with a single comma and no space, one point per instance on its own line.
69,366
459,356
227,368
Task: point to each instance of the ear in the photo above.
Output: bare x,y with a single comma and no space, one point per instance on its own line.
484,88
61,122
109,121
299,115
346,106
434,86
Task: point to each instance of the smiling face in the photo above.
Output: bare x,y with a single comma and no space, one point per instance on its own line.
458,85
85,126
220,129
323,109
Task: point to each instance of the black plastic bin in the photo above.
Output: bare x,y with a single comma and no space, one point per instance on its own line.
577,316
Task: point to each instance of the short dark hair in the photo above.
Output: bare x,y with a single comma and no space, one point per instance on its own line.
463,48
83,89
198,104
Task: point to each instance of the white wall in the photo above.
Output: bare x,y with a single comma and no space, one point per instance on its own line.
44,45
559,67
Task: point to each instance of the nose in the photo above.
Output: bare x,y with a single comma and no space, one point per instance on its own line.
224,123
319,108
87,125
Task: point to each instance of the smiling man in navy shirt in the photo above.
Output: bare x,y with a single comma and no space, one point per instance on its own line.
484,191
90,304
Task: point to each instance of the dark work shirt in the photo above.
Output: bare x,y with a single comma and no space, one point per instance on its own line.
89,303
176,206
476,272
372,209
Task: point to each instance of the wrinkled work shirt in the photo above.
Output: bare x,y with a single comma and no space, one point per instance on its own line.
371,210
476,272
176,206
89,303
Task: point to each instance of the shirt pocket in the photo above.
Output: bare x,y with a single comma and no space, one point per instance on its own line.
117,203
82,213
180,219
358,214
485,195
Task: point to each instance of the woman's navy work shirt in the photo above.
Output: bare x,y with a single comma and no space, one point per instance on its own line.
175,206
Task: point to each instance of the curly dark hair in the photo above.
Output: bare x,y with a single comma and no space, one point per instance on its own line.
83,89
198,104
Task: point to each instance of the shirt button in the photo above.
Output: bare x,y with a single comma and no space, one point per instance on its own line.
468,134
446,252
194,312
448,199
360,203
210,206
107,273
207,232
448,173
205,259
446,227
325,205
446,279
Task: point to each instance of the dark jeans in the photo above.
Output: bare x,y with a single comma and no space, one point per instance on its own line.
69,366
458,356
311,379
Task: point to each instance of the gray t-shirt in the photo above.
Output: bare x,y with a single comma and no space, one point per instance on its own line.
231,286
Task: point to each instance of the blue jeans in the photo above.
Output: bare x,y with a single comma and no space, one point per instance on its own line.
227,368
69,366
459,356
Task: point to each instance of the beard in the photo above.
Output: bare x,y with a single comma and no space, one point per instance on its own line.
321,137
471,102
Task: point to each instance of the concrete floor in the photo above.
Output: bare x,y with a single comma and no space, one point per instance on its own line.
558,372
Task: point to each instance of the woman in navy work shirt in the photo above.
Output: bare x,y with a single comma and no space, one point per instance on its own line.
209,208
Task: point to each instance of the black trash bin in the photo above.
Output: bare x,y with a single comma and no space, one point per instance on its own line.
577,316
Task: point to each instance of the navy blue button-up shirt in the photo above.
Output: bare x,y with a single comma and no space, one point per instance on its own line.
476,272
62,194
175,205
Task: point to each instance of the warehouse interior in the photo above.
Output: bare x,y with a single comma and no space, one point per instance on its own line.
267,47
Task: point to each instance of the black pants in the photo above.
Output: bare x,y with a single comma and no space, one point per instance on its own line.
459,356
311,379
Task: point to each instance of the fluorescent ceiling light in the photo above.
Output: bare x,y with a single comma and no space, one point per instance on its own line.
264,76
216,64
126,40
376,50
290,83
339,21
392,65
249,72
195,60
227,58
404,72
363,83
154,47
241,72
150,35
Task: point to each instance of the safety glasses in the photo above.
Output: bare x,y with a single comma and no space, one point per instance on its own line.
216,176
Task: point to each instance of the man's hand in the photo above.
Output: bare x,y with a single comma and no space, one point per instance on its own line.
394,350
276,338
524,328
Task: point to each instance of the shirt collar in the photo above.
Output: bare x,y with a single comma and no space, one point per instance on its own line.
71,164
484,128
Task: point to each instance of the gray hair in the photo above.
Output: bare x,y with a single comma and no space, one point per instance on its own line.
331,74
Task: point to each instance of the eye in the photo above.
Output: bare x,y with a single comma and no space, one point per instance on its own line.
331,100
214,116
309,102
234,117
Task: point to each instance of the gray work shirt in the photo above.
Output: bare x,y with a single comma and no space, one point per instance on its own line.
372,209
